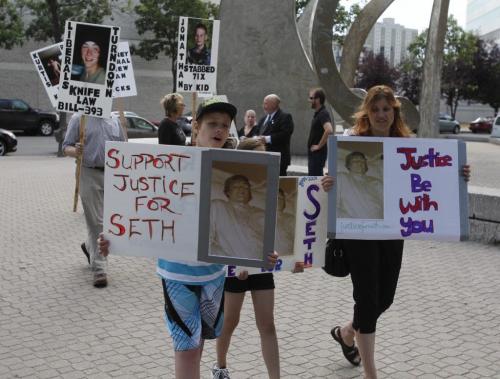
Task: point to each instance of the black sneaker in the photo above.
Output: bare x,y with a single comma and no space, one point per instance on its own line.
84,249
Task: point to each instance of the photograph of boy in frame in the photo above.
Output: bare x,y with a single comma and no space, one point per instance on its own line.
360,187
286,213
199,42
237,206
51,61
90,54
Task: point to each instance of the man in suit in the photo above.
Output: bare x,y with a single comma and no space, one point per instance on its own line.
276,129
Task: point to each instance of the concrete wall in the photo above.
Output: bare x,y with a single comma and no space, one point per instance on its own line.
260,53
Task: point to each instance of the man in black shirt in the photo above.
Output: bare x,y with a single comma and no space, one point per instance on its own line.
321,128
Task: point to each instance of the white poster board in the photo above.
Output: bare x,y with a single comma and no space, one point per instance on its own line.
397,188
124,85
197,53
88,69
158,201
151,200
309,220
48,65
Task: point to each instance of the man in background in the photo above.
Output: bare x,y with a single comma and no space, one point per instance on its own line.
276,129
321,128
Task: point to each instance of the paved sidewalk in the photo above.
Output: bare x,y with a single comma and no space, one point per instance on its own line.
445,322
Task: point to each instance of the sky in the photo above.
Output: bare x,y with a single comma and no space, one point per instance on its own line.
415,14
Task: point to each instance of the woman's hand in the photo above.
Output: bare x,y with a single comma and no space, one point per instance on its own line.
103,245
327,182
466,171
272,259
299,267
243,275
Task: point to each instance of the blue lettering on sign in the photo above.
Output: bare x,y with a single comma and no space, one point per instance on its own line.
231,270
415,226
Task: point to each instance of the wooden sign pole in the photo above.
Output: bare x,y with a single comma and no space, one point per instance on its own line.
79,159
121,111
194,99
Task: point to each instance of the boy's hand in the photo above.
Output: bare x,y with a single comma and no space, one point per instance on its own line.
272,259
243,275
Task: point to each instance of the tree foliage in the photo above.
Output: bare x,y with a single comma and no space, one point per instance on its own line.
159,22
11,25
342,20
487,74
375,70
457,81
48,17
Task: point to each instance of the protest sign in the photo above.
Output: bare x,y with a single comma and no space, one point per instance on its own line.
397,188
163,201
152,200
48,65
124,85
197,52
241,206
306,209
88,69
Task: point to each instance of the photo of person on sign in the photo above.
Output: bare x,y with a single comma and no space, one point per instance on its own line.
200,52
91,54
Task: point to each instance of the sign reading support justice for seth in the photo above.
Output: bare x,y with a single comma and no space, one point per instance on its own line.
124,85
48,64
189,204
300,226
151,200
88,69
397,188
197,50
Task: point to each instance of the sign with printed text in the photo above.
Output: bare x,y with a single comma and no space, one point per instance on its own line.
300,226
151,200
124,85
197,53
187,204
397,188
88,69
48,65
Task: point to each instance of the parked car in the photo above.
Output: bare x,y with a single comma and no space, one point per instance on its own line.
481,124
138,127
495,132
8,142
185,123
448,124
16,114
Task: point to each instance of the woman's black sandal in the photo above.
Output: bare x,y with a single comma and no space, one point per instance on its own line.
351,353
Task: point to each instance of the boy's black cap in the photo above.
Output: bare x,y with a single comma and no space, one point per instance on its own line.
216,104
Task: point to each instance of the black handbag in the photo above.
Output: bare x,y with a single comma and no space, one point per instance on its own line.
336,263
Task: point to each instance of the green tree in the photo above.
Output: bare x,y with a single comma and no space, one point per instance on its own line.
160,20
11,25
48,17
487,74
457,81
342,20
375,70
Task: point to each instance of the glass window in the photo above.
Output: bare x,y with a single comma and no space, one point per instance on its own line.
497,121
4,104
19,105
142,124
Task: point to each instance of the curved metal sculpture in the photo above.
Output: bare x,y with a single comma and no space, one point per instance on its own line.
338,94
431,79
356,37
